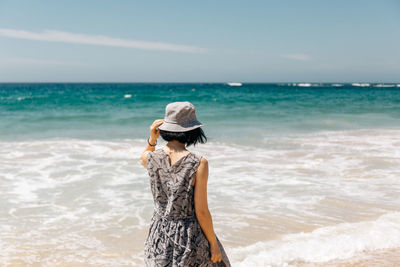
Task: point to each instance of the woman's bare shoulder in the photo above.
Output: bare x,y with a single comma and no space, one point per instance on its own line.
203,165
146,155
203,160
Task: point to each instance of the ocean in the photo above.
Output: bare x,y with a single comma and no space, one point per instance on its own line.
299,174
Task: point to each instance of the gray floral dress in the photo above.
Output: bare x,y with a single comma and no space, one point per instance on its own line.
175,237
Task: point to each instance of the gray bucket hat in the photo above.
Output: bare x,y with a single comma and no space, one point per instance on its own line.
180,117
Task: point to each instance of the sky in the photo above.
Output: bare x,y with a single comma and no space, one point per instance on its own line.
200,41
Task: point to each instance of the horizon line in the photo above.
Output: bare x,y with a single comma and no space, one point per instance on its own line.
202,82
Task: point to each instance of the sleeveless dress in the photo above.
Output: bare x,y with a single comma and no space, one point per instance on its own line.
175,238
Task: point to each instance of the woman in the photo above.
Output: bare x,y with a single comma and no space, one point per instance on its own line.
181,232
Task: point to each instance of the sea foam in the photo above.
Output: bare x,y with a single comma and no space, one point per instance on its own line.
95,196
323,244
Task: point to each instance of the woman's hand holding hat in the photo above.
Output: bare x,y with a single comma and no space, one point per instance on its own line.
154,131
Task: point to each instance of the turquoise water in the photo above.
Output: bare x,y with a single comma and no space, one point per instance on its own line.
254,111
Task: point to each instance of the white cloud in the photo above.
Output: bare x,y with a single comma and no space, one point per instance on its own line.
297,56
37,62
102,40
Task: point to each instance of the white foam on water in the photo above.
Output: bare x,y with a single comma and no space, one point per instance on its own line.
304,84
385,85
337,85
323,244
95,196
361,84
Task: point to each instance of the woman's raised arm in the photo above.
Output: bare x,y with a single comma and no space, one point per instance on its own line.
154,134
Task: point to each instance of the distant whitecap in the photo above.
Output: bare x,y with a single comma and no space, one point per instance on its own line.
361,84
234,84
384,85
304,84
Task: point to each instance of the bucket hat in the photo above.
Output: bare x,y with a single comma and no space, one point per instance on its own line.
180,117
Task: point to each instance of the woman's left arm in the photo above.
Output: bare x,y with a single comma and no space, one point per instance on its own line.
154,134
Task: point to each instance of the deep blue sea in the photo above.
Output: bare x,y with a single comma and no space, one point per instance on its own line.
247,113
298,173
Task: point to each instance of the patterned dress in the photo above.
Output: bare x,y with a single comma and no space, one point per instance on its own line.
175,238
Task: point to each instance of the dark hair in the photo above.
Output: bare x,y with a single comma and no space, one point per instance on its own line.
191,137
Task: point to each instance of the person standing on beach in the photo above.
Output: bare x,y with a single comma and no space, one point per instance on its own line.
181,231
